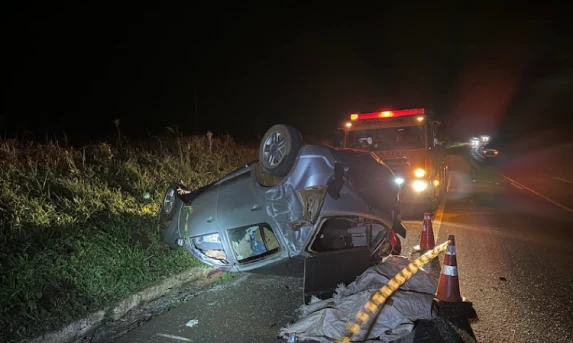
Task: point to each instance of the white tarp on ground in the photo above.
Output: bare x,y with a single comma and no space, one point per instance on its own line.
326,320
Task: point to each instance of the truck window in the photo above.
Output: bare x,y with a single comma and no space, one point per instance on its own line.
394,138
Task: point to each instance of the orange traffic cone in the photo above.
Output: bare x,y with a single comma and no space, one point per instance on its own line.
448,284
427,240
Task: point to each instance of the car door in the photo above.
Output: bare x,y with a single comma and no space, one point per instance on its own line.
241,217
240,200
340,251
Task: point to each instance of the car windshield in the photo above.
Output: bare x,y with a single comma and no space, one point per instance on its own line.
253,242
409,137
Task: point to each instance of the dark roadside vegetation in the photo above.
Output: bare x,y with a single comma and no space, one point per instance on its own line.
78,227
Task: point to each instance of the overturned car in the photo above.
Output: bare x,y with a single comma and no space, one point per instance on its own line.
305,201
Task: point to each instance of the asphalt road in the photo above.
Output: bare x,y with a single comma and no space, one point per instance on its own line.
514,249
514,252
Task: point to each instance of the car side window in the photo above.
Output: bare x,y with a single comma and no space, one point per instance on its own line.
253,242
341,234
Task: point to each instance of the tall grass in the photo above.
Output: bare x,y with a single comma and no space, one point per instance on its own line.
78,226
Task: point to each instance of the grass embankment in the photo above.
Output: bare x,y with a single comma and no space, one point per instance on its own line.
78,227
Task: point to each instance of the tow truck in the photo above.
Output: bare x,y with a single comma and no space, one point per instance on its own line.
407,141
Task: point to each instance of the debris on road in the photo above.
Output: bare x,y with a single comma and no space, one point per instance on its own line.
325,320
192,323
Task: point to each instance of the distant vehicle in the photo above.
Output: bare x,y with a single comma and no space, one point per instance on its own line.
475,142
491,149
407,141
327,206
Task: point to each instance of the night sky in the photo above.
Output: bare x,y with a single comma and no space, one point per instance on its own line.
498,70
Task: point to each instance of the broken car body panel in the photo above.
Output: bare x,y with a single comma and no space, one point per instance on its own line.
239,224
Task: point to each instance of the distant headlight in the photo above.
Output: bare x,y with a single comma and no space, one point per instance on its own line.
419,172
399,180
419,185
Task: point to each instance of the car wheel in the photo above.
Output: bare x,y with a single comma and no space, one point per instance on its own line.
279,148
170,202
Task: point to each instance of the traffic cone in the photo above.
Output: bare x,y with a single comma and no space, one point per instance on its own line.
427,240
448,284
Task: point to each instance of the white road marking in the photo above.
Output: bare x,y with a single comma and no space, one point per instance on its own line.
557,178
174,337
449,182
540,195
560,179
516,186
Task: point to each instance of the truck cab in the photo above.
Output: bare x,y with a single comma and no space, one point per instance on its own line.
407,141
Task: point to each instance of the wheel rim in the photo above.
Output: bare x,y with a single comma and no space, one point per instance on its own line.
168,201
274,150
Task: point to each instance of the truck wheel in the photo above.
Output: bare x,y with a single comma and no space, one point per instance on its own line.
278,149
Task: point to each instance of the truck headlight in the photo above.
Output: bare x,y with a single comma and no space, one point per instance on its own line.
419,185
419,172
399,180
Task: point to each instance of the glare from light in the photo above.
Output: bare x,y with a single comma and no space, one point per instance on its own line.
353,116
386,114
399,180
212,238
419,185
419,172
348,124
436,183
420,118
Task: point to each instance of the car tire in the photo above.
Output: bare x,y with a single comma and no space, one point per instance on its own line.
279,148
170,202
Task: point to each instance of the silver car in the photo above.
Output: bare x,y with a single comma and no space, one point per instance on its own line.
333,208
